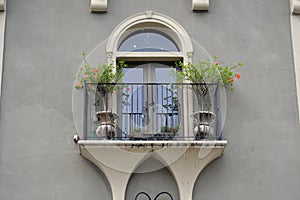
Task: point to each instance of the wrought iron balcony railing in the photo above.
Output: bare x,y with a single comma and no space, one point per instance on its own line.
152,111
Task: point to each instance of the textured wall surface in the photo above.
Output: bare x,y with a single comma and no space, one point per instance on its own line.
43,45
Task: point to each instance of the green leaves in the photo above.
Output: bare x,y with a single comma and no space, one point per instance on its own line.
103,73
206,72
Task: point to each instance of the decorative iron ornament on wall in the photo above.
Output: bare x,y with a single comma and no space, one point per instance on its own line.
155,198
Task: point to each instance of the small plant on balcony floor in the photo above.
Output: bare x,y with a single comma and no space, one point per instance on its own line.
167,129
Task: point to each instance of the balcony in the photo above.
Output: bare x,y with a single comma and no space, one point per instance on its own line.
125,124
152,111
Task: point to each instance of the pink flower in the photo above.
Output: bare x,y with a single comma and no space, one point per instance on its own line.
86,76
217,63
231,80
128,88
79,84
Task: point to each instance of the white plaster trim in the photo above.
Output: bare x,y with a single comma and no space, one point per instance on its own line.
295,6
295,30
98,5
150,143
2,32
200,5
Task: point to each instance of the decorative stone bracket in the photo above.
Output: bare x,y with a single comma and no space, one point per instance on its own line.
119,159
200,5
98,5
2,5
101,5
296,6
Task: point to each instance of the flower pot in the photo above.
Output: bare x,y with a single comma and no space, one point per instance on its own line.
204,122
106,127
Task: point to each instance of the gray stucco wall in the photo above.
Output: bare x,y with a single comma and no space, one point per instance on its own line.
43,45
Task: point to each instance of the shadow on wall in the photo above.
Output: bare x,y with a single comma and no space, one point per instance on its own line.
152,183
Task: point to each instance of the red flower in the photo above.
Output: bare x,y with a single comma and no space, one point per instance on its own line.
231,80
238,76
128,88
96,71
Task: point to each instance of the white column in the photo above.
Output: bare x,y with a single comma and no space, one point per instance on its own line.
295,30
2,31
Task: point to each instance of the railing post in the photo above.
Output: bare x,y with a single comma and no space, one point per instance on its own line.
85,111
218,113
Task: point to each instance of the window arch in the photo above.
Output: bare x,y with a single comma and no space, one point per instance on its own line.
148,40
175,42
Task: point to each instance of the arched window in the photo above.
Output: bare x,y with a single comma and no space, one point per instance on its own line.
148,40
149,36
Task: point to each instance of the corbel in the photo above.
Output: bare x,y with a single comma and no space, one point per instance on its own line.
98,5
2,5
296,6
198,5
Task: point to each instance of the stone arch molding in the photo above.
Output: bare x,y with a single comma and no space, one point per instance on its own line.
146,19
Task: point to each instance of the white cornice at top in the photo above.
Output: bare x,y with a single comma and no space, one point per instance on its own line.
295,6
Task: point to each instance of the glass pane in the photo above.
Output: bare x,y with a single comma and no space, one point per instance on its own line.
167,99
133,75
132,100
163,75
148,41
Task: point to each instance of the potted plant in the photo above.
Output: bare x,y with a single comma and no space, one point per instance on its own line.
201,76
105,77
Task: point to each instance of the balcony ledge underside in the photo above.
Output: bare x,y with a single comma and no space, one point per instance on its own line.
118,160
